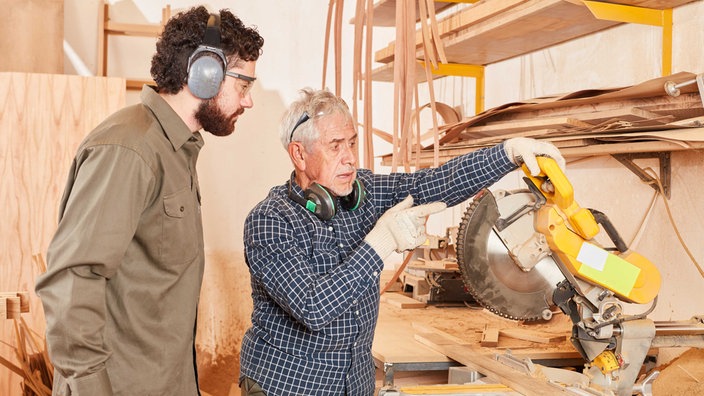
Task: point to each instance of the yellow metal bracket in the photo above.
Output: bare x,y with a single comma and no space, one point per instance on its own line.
640,15
462,70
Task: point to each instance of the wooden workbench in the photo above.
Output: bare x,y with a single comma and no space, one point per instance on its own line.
395,348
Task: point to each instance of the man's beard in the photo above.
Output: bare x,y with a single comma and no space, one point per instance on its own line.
213,120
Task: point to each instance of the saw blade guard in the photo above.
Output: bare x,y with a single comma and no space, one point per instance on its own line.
569,230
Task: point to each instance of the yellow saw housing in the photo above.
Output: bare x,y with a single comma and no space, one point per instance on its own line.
569,229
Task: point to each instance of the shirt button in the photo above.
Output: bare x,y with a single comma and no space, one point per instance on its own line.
356,312
330,228
181,208
375,273
341,245
354,301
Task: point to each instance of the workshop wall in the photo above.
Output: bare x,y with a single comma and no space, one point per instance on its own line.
236,172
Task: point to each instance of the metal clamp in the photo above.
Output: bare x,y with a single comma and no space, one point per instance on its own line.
673,89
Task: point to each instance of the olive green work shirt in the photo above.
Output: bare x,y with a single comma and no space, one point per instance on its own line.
126,263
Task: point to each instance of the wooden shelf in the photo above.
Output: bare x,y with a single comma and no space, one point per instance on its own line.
495,30
385,12
446,154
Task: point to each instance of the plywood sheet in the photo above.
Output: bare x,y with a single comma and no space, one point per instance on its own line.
43,118
31,36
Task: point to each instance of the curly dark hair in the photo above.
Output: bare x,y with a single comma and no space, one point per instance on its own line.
185,31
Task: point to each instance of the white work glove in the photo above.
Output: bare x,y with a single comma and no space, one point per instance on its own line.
402,227
524,150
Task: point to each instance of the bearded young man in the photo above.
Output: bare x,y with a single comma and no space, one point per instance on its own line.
126,263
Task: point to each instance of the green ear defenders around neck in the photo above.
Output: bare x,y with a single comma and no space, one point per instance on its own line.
207,64
318,200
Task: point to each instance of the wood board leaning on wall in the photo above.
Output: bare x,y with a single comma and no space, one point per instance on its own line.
43,118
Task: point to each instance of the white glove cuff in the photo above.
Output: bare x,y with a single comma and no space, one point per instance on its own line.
381,240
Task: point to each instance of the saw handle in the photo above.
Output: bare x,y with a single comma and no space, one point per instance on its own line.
610,230
562,195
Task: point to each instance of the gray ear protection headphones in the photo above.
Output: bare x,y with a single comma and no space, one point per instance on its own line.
207,64
317,199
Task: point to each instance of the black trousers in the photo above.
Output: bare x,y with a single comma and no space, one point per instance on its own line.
250,388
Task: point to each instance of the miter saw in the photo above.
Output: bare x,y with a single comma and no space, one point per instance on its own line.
525,254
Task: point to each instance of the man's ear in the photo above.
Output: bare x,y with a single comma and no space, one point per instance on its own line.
297,154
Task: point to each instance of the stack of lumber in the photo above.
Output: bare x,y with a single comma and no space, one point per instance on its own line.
639,118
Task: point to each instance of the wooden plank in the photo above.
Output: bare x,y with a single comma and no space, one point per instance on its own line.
402,301
426,157
527,125
458,21
133,29
496,131
434,265
385,11
533,336
473,358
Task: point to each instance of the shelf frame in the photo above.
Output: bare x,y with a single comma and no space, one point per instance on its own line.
639,15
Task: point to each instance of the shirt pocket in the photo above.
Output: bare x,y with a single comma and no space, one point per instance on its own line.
180,231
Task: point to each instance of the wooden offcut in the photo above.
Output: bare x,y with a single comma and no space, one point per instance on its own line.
402,301
12,304
490,337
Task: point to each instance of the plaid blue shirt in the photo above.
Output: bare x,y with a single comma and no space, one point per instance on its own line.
315,284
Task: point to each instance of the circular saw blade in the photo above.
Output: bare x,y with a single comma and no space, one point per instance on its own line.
488,270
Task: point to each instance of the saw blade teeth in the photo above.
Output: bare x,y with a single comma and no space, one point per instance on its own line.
485,273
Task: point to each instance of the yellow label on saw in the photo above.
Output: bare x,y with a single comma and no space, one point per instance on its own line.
607,269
